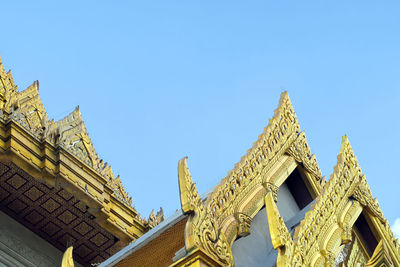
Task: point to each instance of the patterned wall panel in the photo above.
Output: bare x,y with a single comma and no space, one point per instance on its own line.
55,215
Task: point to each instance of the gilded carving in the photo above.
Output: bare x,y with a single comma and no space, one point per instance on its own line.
27,109
70,133
67,260
270,187
355,255
8,89
300,151
325,236
363,194
281,131
319,232
380,257
280,236
155,219
241,186
244,222
201,229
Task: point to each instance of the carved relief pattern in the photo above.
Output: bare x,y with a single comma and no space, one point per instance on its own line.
201,229
281,131
155,219
204,225
27,110
8,89
318,239
320,232
244,222
280,235
300,151
320,222
364,196
355,255
270,187
344,252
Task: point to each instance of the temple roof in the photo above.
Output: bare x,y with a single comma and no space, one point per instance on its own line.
217,218
70,133
61,155
27,109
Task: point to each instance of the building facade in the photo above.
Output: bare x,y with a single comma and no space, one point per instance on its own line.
61,204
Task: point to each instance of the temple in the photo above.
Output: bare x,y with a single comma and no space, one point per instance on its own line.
60,204
55,191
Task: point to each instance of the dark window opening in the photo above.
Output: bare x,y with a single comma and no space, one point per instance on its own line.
298,189
366,233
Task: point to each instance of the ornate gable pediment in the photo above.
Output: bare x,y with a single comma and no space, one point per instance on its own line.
27,109
323,233
214,223
8,89
71,134
328,225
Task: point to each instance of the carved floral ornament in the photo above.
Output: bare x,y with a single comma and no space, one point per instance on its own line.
317,240
206,227
26,109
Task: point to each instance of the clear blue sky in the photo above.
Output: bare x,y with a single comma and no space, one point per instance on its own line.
158,80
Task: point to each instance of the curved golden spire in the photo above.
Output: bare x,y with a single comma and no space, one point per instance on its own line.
190,199
67,260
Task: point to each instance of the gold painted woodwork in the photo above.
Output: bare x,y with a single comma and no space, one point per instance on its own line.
67,260
317,239
357,256
280,236
381,257
200,233
213,223
155,219
62,154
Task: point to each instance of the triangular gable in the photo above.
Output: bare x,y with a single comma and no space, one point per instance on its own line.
329,223
214,224
228,210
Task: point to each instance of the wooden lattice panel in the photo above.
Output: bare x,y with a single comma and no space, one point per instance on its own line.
55,215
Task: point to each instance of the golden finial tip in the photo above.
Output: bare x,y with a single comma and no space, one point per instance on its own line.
67,260
183,160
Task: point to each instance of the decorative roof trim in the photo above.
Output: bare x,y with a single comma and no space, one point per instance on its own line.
26,109
330,220
207,225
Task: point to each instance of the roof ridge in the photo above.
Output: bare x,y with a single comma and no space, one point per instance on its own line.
70,132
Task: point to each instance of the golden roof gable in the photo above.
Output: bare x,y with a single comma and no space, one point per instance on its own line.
26,108
61,156
212,223
226,213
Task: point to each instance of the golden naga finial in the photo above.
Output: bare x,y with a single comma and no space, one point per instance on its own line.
188,192
201,230
67,260
280,236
